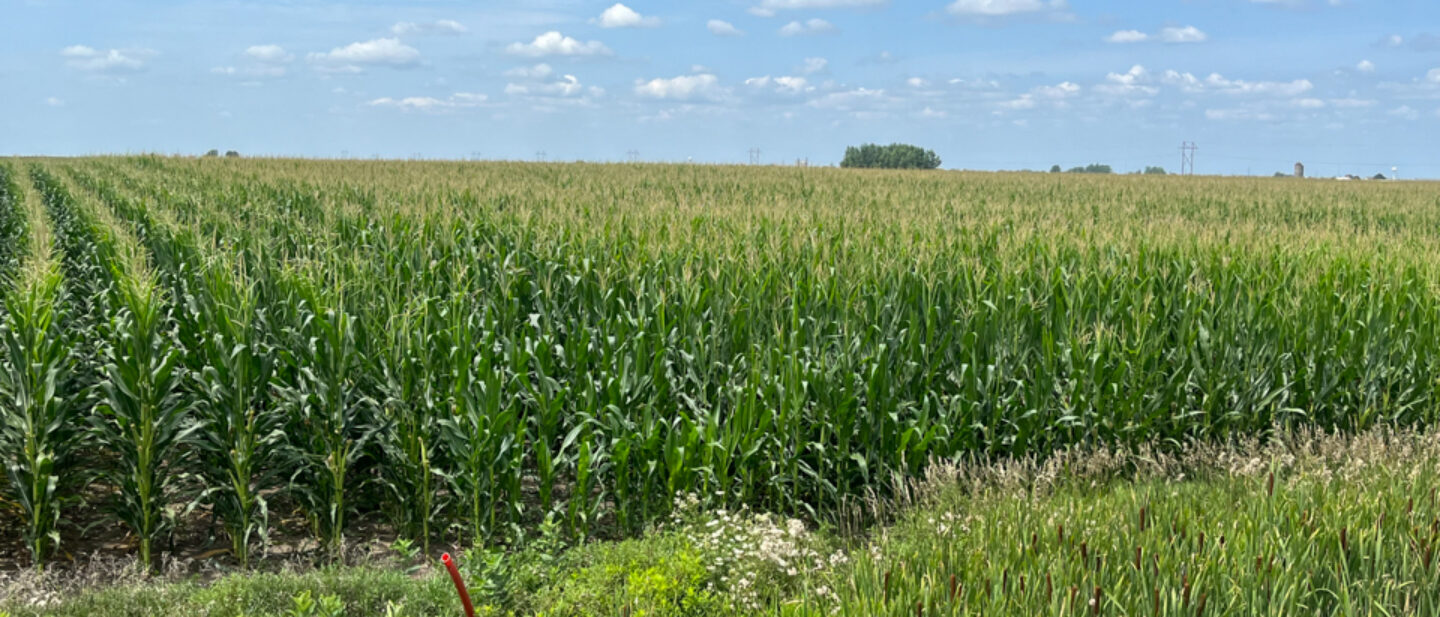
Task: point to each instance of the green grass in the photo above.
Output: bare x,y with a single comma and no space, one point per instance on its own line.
1316,524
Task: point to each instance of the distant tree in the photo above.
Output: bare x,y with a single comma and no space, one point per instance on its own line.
1093,168
212,154
231,154
893,156
1379,177
1054,169
1281,174
1154,171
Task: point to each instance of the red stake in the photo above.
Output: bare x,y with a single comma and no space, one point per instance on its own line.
459,584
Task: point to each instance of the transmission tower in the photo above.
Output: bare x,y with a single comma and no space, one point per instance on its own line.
754,156
540,156
632,155
1187,158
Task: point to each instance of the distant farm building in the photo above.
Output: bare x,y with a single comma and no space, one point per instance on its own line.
1299,170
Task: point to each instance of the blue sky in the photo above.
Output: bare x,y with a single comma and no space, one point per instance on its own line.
1345,85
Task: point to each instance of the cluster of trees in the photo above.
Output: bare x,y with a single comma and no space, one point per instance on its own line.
893,156
1093,168
229,154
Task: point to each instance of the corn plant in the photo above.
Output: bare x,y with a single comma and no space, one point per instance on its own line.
40,434
412,408
143,418
242,432
330,418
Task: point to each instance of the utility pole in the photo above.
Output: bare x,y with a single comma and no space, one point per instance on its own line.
1187,158
632,155
540,156
474,155
754,156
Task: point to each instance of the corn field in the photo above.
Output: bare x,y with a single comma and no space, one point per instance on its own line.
467,349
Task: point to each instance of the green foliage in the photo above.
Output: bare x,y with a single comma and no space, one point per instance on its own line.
893,156
1154,171
1093,168
330,413
1353,535
143,419
472,349
40,433
1054,169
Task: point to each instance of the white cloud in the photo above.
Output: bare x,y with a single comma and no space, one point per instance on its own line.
1063,90
932,113
1239,114
269,54
54,102
1219,83
850,99
777,5
684,87
813,25
567,85
916,82
812,66
1353,103
426,103
442,26
539,71
621,16
553,43
1433,75
999,8
1128,36
722,28
784,84
1308,103
354,57
1187,34
1266,88
1365,66
1393,40
110,62
1404,112
1133,82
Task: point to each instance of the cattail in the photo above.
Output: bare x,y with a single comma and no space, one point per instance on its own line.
1060,533
1073,590
1005,582
1410,507
1270,487
1084,553
1155,600
1034,542
1099,598
1184,591
954,587
1200,606
1344,541
885,590
1142,518
1202,542
920,609
1137,559
1049,588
